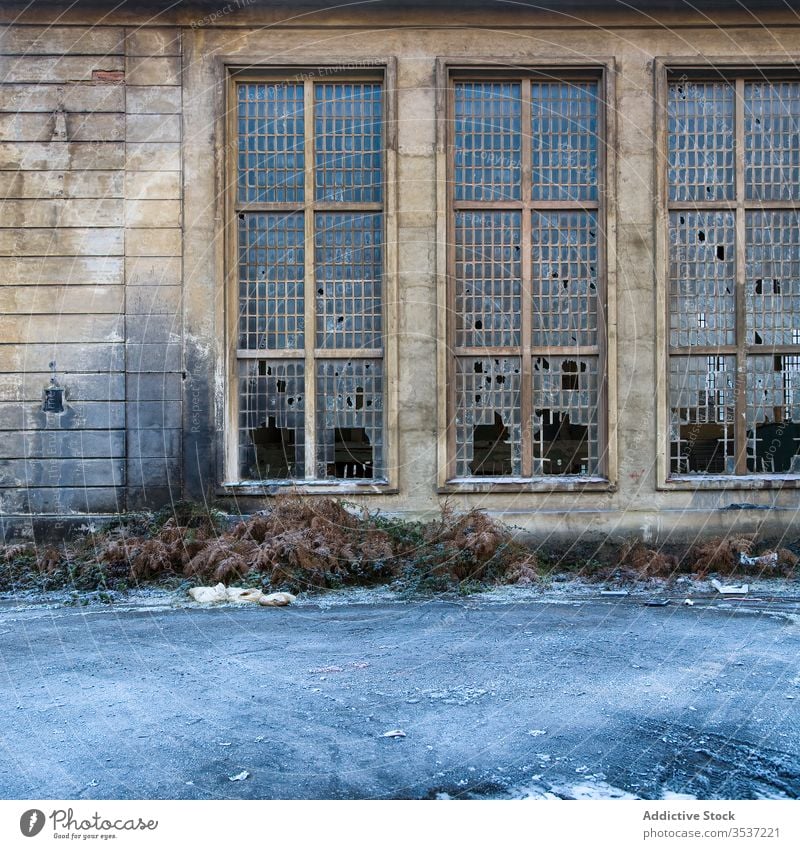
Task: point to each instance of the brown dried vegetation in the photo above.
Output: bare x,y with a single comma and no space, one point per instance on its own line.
301,544
643,562
720,554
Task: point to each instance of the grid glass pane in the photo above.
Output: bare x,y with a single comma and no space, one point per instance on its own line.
564,128
702,275
701,131
487,140
773,277
564,278
271,270
348,128
488,419
349,263
773,414
488,278
271,130
702,411
565,416
350,419
772,140
271,419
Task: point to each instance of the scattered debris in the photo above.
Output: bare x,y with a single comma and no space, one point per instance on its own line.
209,595
729,589
240,595
240,776
221,593
276,599
322,670
688,602
537,732
765,560
396,732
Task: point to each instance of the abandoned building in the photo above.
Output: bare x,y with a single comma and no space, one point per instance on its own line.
538,258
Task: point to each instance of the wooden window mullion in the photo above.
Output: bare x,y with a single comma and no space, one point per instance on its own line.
526,287
740,417
309,286
450,322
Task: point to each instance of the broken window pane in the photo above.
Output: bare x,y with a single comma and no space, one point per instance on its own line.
564,140
773,414
772,140
773,277
702,405
271,419
565,398
348,128
557,214
702,272
275,219
350,419
700,121
706,284
487,140
349,263
564,278
271,134
488,274
487,421
271,270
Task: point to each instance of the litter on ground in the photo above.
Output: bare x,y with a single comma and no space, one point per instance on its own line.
770,559
240,776
220,593
729,589
396,732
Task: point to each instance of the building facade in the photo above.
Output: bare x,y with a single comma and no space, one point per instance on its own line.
544,261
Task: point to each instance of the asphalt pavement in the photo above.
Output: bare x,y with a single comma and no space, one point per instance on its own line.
587,698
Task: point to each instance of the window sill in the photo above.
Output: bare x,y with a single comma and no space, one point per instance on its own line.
257,488
722,482
556,483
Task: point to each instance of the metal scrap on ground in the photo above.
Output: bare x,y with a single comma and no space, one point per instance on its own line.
729,589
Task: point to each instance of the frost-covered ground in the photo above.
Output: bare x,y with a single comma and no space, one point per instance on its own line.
557,589
517,692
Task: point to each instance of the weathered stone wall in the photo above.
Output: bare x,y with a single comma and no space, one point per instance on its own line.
90,267
153,265
108,293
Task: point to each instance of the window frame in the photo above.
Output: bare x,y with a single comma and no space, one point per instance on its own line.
599,69
735,70
312,71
